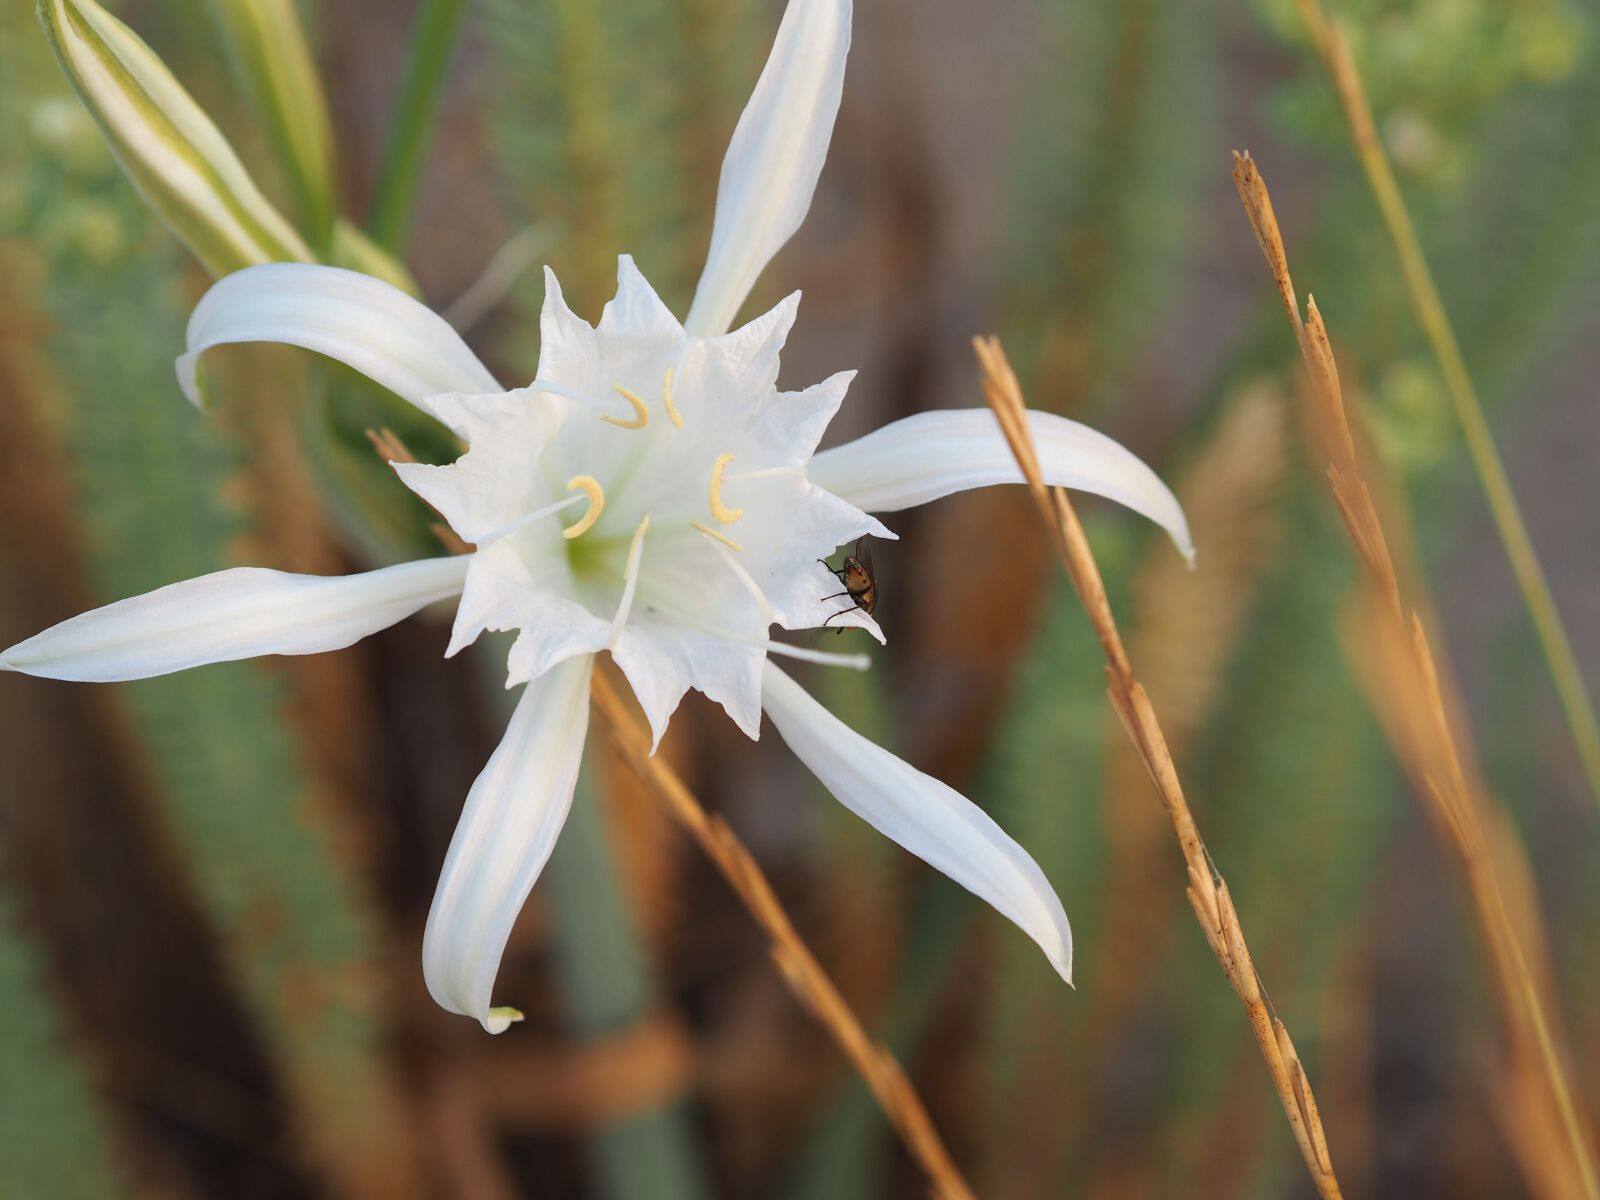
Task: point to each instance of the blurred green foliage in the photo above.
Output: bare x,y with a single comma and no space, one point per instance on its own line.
156,482
53,1145
1434,70
606,120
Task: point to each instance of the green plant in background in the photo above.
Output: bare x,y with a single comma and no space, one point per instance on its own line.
272,62
601,116
609,163
157,130
56,1143
1436,70
1109,173
171,151
153,484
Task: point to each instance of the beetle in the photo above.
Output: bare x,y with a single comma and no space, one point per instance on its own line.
860,584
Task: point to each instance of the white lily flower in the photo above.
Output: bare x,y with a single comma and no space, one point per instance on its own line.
651,494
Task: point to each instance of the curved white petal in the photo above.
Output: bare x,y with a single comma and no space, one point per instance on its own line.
229,615
928,818
932,454
361,321
776,155
512,817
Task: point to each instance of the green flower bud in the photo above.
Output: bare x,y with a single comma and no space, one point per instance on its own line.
168,147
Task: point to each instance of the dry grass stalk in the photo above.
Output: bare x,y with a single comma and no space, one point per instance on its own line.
1430,311
1186,626
801,971
1208,893
392,450
1414,711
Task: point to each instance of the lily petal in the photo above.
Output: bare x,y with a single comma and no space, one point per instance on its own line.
512,817
932,454
933,821
775,158
363,322
242,613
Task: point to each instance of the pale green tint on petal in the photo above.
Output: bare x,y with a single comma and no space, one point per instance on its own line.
920,458
929,818
366,324
513,814
169,148
240,613
775,158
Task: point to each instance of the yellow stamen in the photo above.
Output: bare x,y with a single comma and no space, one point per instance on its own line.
718,509
712,533
641,414
666,398
597,502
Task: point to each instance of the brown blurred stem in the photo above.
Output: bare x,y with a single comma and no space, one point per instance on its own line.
1428,306
1415,715
800,968
1208,893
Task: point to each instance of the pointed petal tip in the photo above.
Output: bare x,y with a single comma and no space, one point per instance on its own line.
880,530
927,817
187,367
1063,966
498,1020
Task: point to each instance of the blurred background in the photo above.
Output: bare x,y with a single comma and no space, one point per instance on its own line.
213,886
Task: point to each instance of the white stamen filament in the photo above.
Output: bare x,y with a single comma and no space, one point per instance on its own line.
713,534
853,662
742,576
538,514
630,574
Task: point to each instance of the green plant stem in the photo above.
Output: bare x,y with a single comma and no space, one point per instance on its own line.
651,1155
1435,321
395,200
604,982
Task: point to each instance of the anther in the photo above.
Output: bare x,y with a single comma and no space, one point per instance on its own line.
712,533
719,510
641,414
597,502
666,399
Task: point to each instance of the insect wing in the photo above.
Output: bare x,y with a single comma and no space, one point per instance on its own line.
862,581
